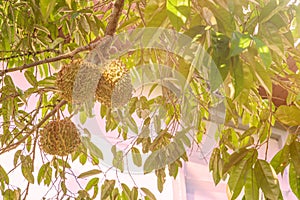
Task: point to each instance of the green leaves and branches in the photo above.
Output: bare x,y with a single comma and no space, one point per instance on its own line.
253,44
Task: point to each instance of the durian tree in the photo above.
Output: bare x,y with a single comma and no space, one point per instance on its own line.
73,57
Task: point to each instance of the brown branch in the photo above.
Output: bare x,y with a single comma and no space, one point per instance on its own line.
29,53
114,17
49,60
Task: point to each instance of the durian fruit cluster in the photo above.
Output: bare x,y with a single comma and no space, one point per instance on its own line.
81,80
114,88
59,137
77,81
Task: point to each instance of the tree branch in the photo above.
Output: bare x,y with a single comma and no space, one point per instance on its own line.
29,53
49,60
114,17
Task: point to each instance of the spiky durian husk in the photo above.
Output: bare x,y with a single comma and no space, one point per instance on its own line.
114,87
77,81
59,137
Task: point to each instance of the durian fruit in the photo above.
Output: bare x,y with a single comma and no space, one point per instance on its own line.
114,88
59,137
77,81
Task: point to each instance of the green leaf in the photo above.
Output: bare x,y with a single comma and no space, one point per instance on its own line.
161,179
295,156
267,179
27,168
107,188
272,8
47,7
16,157
288,115
83,158
214,165
136,156
150,162
237,178
134,193
148,193
118,160
89,173
126,191
131,124
9,81
264,52
238,77
294,181
224,18
63,187
91,183
69,3
42,28
96,190
178,12
239,42
42,171
3,175
155,13
263,77
11,195
251,186
281,160
235,158
94,150
48,176
82,117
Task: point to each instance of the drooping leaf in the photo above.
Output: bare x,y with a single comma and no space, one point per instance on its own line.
263,77
214,165
295,156
89,173
238,77
178,12
126,191
47,7
281,159
237,178
288,115
42,171
3,175
294,180
264,52
118,161
239,42
267,179
11,195
251,186
136,156
107,188
149,194
91,183
272,8
235,158
27,168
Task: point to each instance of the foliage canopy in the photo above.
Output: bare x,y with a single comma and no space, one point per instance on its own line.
254,45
